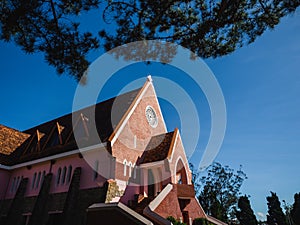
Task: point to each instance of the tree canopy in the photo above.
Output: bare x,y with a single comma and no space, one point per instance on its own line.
209,28
220,191
245,214
295,212
275,214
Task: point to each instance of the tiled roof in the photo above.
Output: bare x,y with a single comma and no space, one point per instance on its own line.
107,116
10,139
158,148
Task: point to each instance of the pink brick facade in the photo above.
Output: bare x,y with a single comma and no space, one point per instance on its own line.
122,166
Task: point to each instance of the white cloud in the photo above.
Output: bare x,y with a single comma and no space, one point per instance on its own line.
261,216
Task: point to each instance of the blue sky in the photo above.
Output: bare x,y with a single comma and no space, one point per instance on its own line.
261,87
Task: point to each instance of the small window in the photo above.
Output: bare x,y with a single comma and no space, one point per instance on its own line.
38,180
17,183
69,175
134,172
125,167
33,181
130,168
13,185
96,169
63,177
58,176
43,177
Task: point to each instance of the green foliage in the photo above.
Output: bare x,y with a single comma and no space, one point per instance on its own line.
201,221
209,28
195,179
295,212
174,221
48,27
275,214
245,215
220,191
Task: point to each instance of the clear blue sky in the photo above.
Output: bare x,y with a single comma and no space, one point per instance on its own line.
260,83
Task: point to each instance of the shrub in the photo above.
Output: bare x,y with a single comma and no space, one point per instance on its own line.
174,221
201,221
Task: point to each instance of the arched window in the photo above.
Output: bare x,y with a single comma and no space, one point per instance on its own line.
43,177
180,175
17,183
134,172
130,168
96,169
69,175
33,181
13,185
58,176
38,180
125,166
63,177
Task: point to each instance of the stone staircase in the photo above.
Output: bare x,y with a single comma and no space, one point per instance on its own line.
139,203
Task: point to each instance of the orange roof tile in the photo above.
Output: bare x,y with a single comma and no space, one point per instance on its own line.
10,139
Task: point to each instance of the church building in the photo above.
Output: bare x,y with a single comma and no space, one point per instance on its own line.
111,163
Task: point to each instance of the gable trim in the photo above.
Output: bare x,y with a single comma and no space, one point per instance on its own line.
123,207
185,169
173,144
113,137
159,109
160,197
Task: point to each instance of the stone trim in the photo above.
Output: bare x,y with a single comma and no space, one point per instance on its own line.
160,197
122,207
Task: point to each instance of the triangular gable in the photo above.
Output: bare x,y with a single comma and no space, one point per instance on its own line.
122,123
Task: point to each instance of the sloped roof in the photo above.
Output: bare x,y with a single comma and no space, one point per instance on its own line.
158,148
10,139
107,116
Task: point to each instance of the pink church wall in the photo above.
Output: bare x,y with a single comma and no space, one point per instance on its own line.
137,125
164,208
134,138
87,171
87,174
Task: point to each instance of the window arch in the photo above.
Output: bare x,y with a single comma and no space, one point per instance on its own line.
43,177
13,184
125,167
134,171
130,168
63,177
180,172
33,180
96,167
38,180
69,175
58,176
17,183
